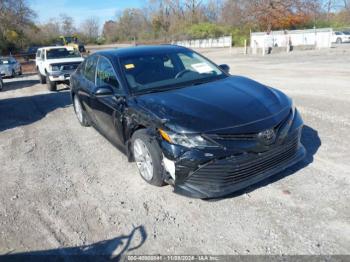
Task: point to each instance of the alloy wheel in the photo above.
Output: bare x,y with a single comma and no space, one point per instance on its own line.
143,159
78,109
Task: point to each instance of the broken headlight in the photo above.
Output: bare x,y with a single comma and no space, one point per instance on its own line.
186,140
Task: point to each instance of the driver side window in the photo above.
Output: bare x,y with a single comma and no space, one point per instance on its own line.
90,68
106,75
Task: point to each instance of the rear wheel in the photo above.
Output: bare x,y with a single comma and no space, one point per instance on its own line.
52,86
339,41
79,112
148,159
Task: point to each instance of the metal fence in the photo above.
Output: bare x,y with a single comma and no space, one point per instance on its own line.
225,41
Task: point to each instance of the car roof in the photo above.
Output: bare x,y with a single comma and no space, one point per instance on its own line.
140,50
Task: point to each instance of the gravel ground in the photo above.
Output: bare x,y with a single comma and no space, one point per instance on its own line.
65,189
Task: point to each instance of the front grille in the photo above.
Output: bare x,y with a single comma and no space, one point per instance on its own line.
69,67
229,171
221,138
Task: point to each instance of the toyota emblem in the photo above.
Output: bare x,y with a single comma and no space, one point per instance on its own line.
267,137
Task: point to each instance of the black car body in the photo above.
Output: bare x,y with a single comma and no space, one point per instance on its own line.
1,83
208,137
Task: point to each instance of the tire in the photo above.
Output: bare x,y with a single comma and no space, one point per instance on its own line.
51,85
151,152
20,71
79,112
42,78
13,74
1,85
339,41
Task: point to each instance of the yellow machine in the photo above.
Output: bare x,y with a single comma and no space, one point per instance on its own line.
73,42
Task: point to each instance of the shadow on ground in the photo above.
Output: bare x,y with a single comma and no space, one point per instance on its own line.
108,250
311,142
19,82
26,110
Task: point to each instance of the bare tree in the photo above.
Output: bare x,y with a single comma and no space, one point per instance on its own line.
194,8
91,27
67,24
109,31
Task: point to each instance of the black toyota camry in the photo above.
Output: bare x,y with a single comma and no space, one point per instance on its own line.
186,121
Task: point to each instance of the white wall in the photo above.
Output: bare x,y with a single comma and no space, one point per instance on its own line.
225,41
321,38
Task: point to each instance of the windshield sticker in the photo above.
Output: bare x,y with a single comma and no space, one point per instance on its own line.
129,66
202,68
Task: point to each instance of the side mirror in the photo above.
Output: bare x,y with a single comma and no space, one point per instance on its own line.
225,68
104,91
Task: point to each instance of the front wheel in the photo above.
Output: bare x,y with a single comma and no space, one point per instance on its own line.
52,85
42,78
79,112
339,41
148,158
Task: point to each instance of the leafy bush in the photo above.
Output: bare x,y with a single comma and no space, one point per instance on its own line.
238,36
205,30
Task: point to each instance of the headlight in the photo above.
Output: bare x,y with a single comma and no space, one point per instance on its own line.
186,140
54,68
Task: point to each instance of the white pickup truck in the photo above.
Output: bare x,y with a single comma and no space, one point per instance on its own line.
55,65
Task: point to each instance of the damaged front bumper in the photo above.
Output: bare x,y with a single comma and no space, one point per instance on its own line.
211,174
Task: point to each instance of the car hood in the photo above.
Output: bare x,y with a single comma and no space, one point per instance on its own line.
65,60
232,105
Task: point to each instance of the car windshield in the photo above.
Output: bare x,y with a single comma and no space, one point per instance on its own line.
57,53
164,71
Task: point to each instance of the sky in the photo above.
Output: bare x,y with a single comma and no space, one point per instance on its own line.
81,9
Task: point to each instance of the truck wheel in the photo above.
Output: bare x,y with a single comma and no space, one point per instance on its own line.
52,86
42,78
